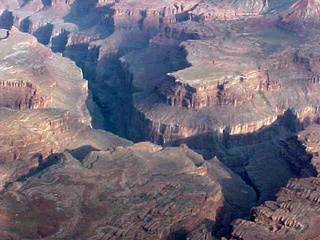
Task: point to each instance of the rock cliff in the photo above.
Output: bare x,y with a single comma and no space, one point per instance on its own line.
209,74
34,77
303,11
294,214
42,107
232,92
232,79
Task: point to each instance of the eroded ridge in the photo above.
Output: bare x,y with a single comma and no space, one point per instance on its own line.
142,191
295,213
34,77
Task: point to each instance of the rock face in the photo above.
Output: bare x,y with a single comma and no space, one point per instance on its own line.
33,77
42,108
295,213
233,79
43,113
224,91
138,192
228,10
28,137
223,77
293,216
306,11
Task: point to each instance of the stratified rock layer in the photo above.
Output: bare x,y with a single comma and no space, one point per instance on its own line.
305,11
28,137
295,213
138,192
236,79
42,108
34,77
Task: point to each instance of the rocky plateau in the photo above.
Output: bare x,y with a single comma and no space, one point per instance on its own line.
164,119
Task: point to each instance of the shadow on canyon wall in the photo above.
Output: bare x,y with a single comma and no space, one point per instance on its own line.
79,154
286,148
81,14
43,34
249,155
6,20
268,149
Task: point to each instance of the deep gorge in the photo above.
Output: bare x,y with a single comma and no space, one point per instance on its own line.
132,100
112,89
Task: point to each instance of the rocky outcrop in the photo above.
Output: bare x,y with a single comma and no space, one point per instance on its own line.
228,10
151,14
50,93
20,95
29,136
226,79
193,82
303,11
294,215
217,83
34,77
139,192
219,73
231,93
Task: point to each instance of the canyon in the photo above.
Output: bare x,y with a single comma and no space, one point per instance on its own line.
167,119
294,213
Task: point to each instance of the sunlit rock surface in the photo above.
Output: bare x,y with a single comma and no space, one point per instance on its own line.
34,77
138,192
28,137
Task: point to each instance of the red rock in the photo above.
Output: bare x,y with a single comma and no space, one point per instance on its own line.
295,213
103,195
34,77
229,78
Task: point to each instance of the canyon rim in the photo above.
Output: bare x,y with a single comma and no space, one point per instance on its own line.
163,119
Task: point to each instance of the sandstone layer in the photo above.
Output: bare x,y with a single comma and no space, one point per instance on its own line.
228,90
33,77
142,191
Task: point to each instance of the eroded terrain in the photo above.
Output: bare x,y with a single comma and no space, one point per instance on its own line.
233,80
